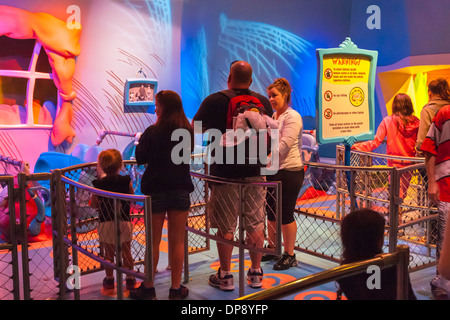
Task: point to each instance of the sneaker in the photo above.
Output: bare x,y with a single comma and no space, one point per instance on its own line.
286,261
130,283
438,292
269,257
178,294
108,283
226,283
143,293
254,278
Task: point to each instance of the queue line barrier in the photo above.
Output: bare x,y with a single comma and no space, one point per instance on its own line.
333,190
399,259
330,191
82,221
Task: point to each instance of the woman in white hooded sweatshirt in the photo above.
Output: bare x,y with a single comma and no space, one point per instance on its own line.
289,171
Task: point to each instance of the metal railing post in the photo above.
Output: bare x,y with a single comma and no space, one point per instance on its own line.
23,237
352,190
398,259
393,209
367,180
118,258
338,183
278,219
402,272
59,212
186,257
242,241
149,269
13,238
73,231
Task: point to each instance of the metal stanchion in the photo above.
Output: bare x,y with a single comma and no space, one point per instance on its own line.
242,241
402,272
149,269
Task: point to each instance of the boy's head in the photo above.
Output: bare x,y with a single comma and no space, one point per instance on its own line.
110,161
362,234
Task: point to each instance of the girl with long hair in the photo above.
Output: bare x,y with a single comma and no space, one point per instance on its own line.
401,129
167,180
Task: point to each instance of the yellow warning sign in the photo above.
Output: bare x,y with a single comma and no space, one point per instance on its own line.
345,92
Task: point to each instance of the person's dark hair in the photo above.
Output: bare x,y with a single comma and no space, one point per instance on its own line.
362,234
171,114
402,106
233,62
440,87
110,161
283,86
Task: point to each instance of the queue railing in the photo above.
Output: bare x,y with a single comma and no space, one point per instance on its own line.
399,259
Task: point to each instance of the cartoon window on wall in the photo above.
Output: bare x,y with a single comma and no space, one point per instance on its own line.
26,80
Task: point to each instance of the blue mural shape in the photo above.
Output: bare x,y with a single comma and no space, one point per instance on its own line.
198,75
262,45
154,18
272,51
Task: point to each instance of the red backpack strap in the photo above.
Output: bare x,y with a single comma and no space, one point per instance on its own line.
230,94
234,103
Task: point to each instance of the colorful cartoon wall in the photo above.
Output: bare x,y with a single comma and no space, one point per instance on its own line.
188,46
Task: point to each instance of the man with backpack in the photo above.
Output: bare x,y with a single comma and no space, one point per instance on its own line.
219,111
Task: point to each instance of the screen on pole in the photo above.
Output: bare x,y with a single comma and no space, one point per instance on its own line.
140,92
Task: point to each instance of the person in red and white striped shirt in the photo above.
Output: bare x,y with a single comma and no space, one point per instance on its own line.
436,147
437,157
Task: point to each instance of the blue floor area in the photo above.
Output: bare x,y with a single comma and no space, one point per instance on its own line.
202,265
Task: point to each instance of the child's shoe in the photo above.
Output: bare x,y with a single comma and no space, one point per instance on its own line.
108,283
130,283
143,293
178,294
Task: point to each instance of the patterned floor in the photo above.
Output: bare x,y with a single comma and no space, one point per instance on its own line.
201,266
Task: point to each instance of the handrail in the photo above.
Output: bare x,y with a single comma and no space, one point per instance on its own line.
213,179
14,237
100,192
206,178
386,156
242,245
346,168
72,241
400,258
24,166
